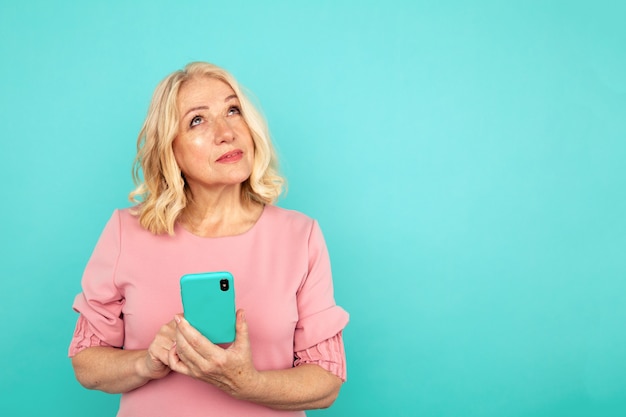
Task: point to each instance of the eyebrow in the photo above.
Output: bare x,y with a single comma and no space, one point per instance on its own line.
193,109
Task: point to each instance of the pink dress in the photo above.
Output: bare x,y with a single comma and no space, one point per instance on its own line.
282,280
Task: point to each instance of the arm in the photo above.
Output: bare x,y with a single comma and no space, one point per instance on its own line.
111,369
115,370
304,387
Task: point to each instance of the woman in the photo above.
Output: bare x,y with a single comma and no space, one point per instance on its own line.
209,181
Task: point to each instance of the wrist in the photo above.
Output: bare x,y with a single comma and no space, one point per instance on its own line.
253,388
141,364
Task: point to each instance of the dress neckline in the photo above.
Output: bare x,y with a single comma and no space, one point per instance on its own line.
180,229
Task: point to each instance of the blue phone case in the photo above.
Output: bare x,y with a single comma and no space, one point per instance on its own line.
209,304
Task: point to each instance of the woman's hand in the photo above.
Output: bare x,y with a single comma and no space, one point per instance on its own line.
157,357
116,370
229,369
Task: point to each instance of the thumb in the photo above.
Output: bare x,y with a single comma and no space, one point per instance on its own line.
241,330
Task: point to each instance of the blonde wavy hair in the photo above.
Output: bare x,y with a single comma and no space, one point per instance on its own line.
161,194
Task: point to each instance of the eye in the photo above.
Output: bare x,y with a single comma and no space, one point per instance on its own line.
196,121
234,110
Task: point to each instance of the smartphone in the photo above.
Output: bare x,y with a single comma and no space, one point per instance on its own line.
209,304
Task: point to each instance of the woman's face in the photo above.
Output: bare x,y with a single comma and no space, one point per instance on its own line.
214,147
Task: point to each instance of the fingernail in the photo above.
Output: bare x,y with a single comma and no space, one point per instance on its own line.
177,319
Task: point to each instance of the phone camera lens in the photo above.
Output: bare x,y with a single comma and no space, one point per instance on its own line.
224,285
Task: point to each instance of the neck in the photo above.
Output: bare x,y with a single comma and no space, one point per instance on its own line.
218,215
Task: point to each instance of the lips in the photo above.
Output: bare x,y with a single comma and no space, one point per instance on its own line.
232,156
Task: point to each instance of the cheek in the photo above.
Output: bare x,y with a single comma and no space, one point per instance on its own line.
194,144
242,129
191,149
246,137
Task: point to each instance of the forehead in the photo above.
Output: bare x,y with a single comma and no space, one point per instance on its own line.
203,90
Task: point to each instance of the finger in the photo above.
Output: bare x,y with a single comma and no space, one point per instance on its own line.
242,338
166,334
160,346
193,338
170,327
159,353
175,362
194,350
185,328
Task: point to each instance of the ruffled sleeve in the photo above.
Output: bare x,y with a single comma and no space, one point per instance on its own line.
84,337
319,317
329,354
100,303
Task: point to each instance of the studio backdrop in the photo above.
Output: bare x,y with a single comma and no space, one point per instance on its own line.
465,160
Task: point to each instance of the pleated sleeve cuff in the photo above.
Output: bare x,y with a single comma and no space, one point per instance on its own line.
329,354
84,337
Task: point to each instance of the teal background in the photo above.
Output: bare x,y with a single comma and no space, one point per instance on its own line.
464,158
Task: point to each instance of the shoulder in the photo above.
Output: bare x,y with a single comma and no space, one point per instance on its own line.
285,217
289,223
126,221
127,217
292,225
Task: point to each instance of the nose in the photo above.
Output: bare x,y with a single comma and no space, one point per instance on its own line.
223,131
